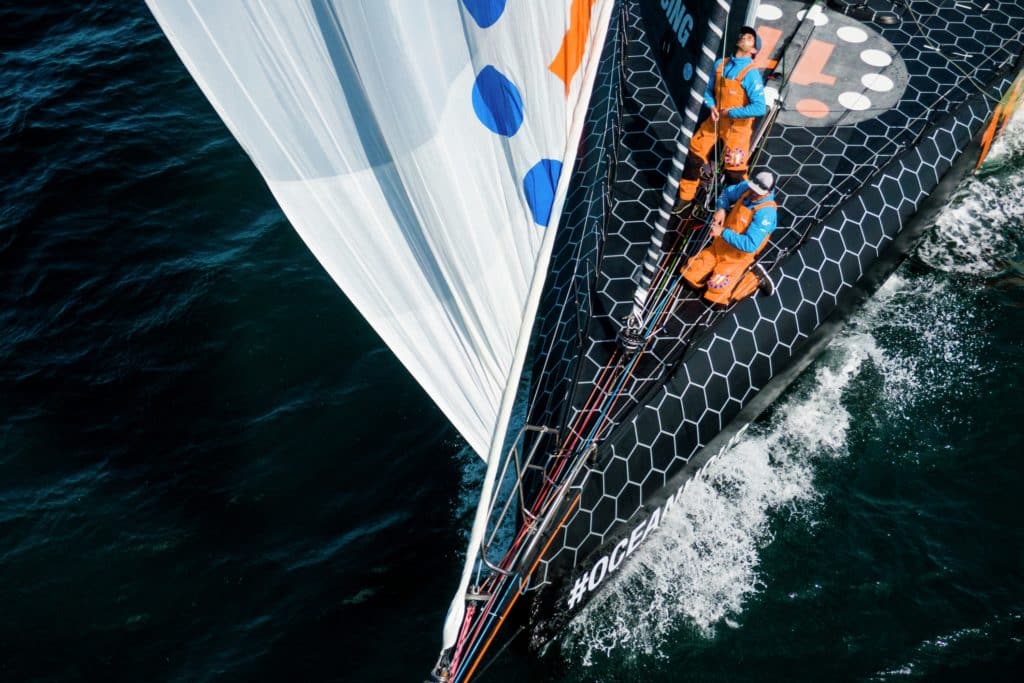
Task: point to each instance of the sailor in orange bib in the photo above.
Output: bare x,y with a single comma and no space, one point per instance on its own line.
737,238
736,97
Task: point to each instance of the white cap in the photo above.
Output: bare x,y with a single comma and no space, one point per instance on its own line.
762,182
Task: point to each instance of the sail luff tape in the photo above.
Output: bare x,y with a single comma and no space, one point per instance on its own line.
703,76
718,31
677,163
652,253
710,55
664,214
690,115
724,5
668,197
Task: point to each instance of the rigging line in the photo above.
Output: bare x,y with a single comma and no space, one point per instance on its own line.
694,99
682,342
501,650
673,257
640,385
561,315
611,419
839,189
665,267
483,626
551,480
920,30
607,210
456,659
585,413
541,500
515,597
580,422
614,398
884,150
670,259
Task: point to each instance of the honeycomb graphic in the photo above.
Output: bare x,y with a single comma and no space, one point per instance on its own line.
846,192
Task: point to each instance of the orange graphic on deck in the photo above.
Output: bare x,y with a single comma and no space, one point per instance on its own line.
811,68
769,39
574,44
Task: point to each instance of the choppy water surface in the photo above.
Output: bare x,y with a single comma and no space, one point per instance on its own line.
212,470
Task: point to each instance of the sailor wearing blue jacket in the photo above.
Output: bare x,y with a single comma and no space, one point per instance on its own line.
744,218
753,87
735,96
764,218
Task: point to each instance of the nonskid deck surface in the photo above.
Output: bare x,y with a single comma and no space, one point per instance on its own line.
871,123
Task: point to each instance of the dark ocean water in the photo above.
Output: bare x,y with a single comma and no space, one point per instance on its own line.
212,470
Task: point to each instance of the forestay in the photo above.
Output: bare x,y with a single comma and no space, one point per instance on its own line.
422,151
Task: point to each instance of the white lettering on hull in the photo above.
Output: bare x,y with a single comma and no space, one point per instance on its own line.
679,18
608,564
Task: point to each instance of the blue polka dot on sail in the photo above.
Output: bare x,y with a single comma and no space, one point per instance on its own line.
485,12
539,185
497,102
687,71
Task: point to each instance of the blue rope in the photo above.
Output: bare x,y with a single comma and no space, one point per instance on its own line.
486,629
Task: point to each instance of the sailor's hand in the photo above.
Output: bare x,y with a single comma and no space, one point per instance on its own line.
718,218
716,229
714,113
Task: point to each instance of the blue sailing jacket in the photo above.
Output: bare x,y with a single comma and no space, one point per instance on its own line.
761,225
753,85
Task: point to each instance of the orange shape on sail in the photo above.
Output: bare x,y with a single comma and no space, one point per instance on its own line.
574,44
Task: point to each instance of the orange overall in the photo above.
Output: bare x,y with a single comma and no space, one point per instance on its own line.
734,133
723,267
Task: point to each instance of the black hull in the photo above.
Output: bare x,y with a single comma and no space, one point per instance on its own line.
731,369
551,610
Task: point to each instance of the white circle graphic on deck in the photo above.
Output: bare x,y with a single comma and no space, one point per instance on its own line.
876,58
854,100
816,15
847,71
852,34
877,82
769,12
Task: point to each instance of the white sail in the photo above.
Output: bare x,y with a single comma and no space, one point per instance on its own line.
421,149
